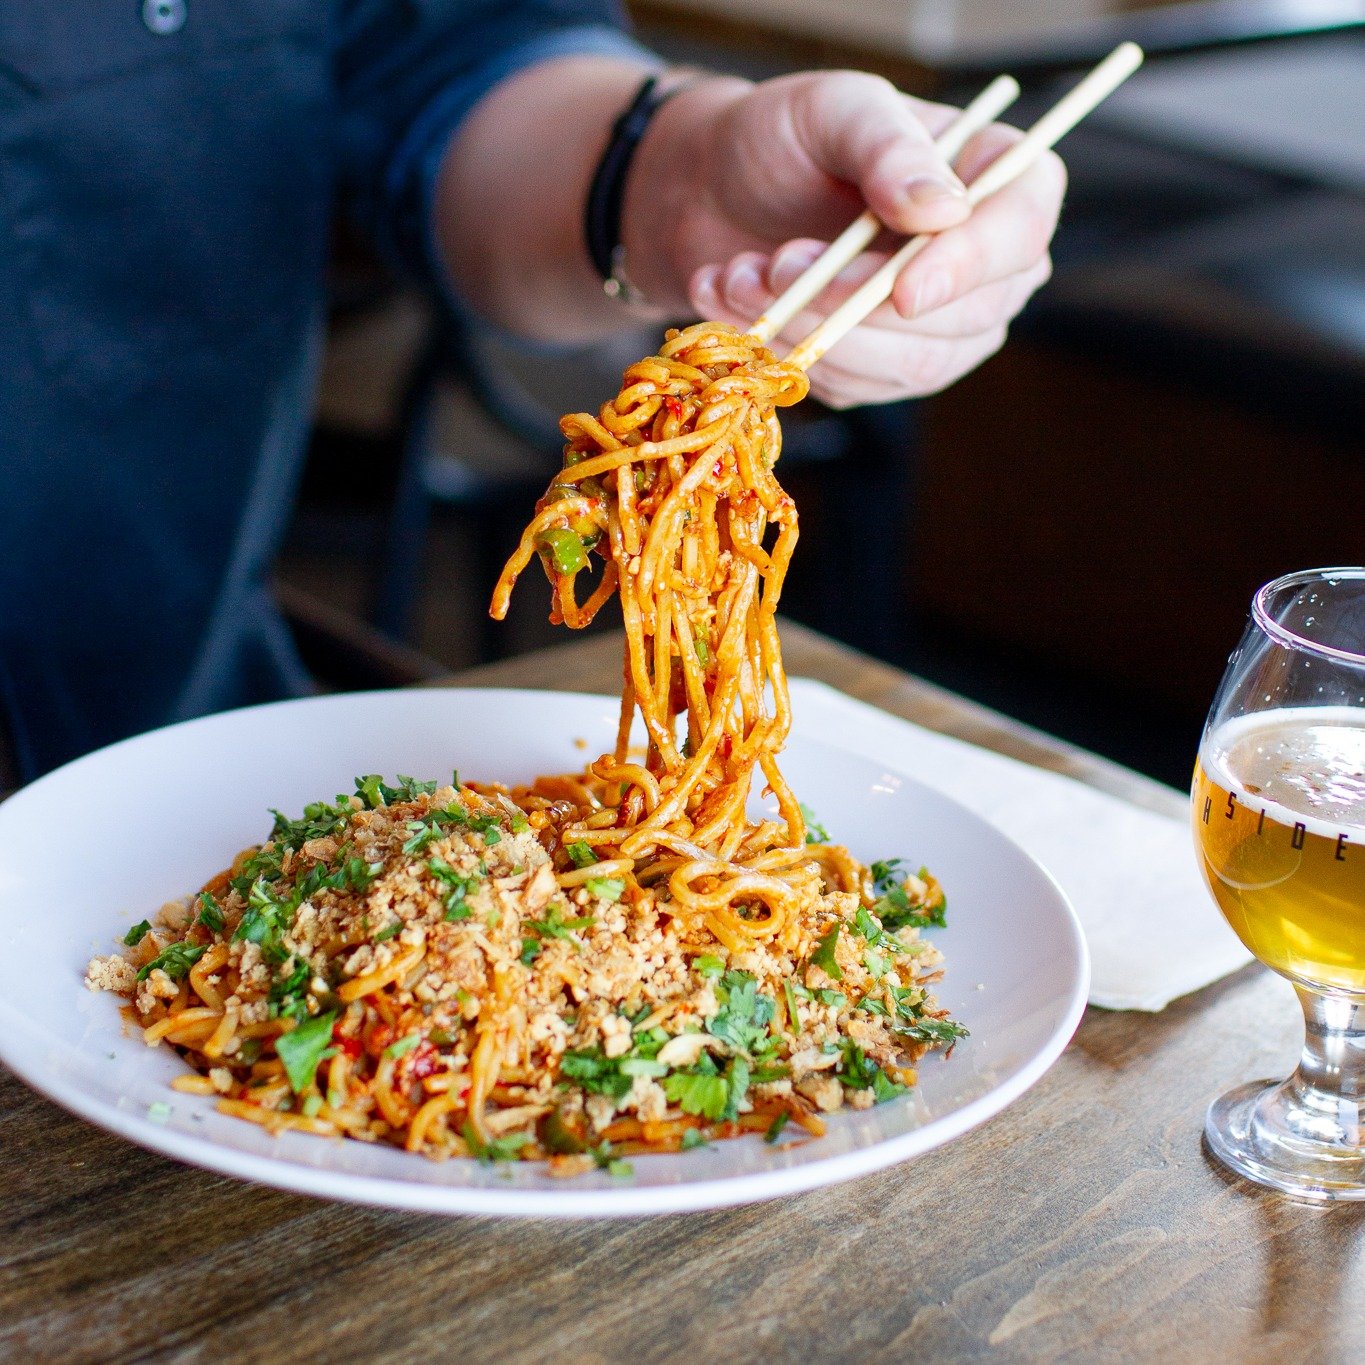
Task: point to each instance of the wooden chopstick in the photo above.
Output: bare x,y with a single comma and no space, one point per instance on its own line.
1050,129
979,114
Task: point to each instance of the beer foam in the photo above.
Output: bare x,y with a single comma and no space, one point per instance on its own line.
1303,765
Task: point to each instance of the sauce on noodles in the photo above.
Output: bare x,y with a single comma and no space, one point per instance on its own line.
602,963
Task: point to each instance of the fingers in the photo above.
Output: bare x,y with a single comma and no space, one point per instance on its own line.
888,357
749,284
1005,235
860,129
935,365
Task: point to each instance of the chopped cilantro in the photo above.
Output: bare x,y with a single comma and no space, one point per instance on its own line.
602,1155
737,1078
607,888
816,833
265,921
289,991
828,997
886,874
708,966
505,1148
595,1072
581,854
695,1092
137,933
389,931
896,912
744,1016
301,1049
876,937
693,1138
933,1030
374,791
558,1137
856,1069
823,956
776,1126
420,834
433,825
884,1088
175,959
762,1075
312,1106
875,963
210,913
458,887
554,925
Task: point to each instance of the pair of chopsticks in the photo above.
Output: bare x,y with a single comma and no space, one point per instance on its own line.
982,111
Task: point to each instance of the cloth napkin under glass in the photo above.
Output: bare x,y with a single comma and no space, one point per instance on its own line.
1152,928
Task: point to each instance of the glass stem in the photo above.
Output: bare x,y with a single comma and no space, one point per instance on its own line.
1330,1080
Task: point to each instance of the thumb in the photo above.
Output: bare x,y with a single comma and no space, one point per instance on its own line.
861,129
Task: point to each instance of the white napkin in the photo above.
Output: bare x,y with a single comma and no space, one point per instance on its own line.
1153,930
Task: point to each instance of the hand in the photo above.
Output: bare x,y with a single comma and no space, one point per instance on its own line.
764,175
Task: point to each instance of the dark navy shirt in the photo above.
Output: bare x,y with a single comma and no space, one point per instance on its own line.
168,171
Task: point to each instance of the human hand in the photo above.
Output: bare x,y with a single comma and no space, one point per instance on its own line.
773,169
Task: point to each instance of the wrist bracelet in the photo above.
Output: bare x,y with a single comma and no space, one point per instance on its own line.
606,194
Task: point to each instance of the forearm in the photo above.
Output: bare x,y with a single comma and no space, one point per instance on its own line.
512,189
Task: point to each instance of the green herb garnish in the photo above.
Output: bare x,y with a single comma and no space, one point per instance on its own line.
816,833
137,933
823,956
210,913
301,1049
708,966
175,959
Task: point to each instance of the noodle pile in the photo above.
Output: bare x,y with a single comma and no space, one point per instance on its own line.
599,964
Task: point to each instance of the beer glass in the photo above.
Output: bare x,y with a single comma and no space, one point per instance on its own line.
1279,820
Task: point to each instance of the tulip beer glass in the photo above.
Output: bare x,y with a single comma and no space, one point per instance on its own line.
1279,819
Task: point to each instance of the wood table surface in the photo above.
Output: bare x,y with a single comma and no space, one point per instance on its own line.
1084,1223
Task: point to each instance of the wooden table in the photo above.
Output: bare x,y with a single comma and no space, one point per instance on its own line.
1083,1223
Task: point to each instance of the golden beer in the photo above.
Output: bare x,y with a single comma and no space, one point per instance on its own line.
1279,818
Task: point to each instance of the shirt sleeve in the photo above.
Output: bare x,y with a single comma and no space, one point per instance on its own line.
409,71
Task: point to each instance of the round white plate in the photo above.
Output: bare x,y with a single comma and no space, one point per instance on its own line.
102,843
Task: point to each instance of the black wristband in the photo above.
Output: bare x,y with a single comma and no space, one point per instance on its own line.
606,194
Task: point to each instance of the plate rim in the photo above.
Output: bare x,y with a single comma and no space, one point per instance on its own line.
622,1201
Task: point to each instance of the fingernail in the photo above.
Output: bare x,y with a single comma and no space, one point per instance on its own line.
929,191
744,285
706,282
933,291
790,262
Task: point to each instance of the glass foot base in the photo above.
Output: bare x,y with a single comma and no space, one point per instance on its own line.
1265,1132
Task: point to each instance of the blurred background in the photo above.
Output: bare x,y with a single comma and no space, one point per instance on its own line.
1073,533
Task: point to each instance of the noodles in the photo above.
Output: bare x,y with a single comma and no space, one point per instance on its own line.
599,964
672,482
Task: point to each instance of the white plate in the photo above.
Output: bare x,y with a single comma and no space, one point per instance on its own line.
100,844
